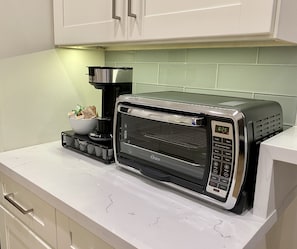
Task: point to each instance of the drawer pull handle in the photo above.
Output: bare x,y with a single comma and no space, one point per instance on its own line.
114,15
130,9
9,198
71,241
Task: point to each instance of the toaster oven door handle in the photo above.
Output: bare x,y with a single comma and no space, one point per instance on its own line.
155,174
196,121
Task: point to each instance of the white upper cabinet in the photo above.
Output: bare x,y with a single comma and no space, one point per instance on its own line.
114,21
204,18
90,21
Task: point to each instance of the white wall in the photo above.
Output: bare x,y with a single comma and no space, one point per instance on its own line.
39,85
37,92
25,26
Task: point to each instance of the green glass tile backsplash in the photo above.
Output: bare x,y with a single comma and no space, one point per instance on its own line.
262,73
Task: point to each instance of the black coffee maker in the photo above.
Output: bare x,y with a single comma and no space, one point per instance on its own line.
113,81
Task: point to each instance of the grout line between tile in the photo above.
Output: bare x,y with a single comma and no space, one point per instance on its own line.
217,77
158,74
257,56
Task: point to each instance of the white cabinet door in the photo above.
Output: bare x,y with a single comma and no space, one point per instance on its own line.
72,235
206,19
89,21
15,235
2,229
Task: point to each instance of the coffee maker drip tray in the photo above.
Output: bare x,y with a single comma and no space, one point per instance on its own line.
101,151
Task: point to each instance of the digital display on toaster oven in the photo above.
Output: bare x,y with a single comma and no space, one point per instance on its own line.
222,129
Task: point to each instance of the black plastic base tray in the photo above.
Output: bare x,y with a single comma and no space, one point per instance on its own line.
102,152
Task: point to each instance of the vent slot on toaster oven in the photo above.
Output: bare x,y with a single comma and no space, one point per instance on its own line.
267,126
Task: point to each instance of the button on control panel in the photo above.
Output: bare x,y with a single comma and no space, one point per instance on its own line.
221,167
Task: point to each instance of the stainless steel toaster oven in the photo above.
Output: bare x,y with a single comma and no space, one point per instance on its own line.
205,145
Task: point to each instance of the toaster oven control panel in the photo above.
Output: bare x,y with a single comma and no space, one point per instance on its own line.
222,159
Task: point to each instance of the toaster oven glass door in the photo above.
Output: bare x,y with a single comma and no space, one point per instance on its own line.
172,147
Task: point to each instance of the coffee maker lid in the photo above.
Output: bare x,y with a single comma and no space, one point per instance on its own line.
110,75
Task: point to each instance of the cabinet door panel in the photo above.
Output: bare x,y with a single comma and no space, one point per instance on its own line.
18,236
198,19
86,12
72,235
186,5
88,21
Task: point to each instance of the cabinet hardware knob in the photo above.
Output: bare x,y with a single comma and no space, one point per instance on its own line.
9,198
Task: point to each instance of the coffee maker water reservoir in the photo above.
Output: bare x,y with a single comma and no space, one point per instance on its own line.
113,82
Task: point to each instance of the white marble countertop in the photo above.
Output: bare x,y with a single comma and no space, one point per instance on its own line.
127,211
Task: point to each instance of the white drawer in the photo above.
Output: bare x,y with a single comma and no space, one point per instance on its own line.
18,236
31,210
